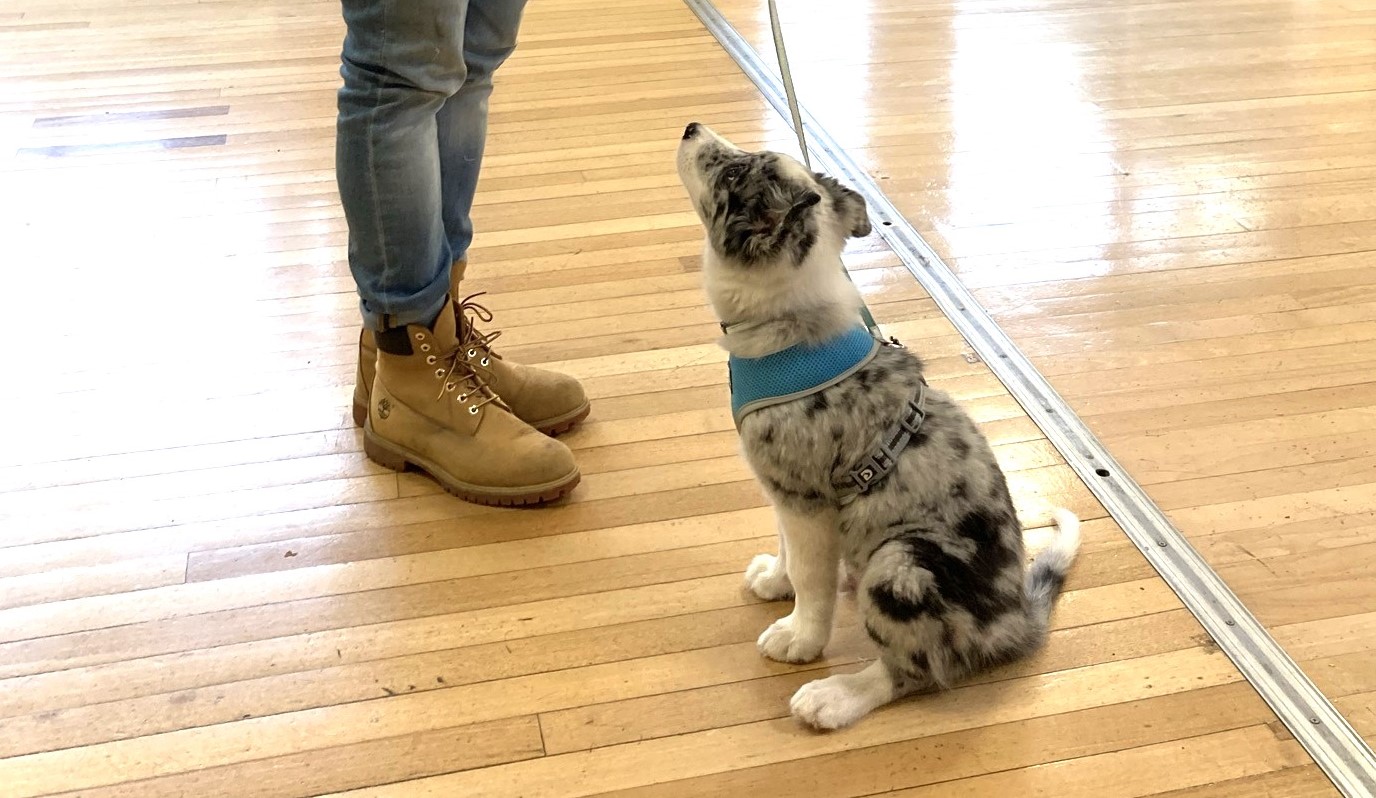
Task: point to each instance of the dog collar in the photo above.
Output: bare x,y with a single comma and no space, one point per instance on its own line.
796,372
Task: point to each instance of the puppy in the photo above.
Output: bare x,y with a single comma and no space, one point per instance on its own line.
930,536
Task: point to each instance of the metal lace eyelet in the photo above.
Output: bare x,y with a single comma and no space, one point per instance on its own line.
420,336
439,373
430,360
463,397
473,411
450,386
472,353
425,347
484,361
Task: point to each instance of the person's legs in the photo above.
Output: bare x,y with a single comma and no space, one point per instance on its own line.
402,60
424,392
489,38
549,401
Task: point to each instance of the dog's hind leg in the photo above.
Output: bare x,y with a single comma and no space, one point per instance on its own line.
838,701
811,544
767,574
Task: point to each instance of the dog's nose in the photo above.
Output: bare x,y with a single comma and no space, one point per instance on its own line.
691,130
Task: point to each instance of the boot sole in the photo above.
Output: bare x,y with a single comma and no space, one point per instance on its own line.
396,458
560,425
552,428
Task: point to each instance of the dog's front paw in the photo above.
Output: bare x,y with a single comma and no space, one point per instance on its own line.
830,703
787,640
766,579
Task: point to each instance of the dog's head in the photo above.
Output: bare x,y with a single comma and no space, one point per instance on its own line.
763,207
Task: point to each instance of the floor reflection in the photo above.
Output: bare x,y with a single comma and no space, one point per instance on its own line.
1025,135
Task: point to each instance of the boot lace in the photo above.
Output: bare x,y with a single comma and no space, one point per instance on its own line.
473,378
476,375
470,313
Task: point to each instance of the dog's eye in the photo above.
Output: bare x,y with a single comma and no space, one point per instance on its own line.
734,172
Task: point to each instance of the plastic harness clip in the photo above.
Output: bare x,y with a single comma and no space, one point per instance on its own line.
880,462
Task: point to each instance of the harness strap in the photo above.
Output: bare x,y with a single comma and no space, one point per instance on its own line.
881,461
796,372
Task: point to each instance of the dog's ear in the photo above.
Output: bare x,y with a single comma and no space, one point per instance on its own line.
801,204
762,230
849,205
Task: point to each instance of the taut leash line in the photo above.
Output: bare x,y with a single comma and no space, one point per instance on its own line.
787,74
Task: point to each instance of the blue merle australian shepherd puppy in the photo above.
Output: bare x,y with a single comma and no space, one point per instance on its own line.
926,526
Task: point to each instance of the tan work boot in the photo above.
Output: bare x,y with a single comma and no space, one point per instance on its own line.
549,401
431,409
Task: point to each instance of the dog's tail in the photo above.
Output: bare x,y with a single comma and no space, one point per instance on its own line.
1046,575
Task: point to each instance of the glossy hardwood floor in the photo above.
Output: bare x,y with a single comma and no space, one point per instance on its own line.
206,589
1169,207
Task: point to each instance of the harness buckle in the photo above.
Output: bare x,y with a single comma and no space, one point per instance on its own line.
884,458
873,469
912,422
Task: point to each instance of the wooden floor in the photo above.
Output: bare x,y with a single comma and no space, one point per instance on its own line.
1171,207
206,589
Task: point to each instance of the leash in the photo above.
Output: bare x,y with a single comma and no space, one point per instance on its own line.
787,74
883,459
782,52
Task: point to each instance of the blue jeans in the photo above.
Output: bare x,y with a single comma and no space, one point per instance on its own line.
409,143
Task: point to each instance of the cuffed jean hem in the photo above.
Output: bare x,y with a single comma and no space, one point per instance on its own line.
377,322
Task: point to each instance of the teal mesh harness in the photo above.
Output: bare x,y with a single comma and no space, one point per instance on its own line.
797,372
800,371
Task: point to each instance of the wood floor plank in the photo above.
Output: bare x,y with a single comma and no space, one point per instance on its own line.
1151,769
182,679
395,759
1294,782
425,515
612,723
705,753
66,584
681,756
883,768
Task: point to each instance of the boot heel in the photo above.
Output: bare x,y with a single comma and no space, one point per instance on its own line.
381,455
360,412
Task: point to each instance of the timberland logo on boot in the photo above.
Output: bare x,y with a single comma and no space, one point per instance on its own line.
384,408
